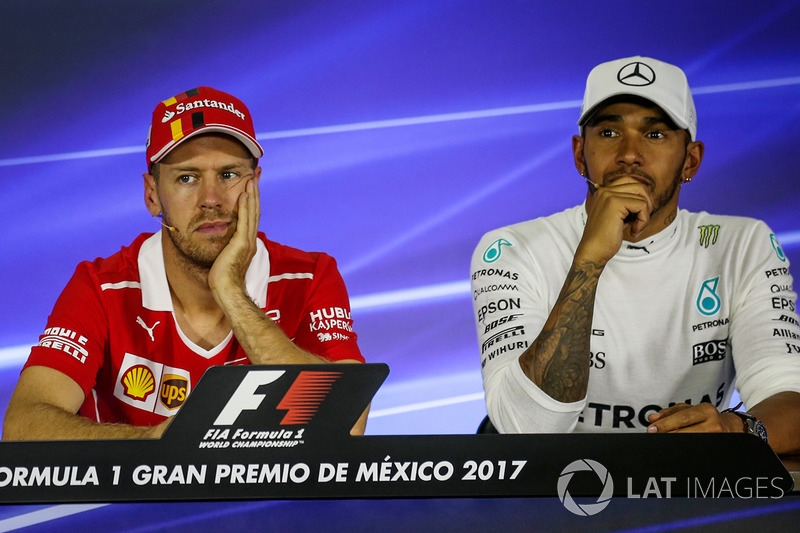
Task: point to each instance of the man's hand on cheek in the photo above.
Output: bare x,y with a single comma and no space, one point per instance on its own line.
230,267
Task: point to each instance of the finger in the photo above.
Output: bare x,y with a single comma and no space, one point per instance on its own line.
242,222
673,422
663,414
687,419
638,225
254,205
630,188
674,409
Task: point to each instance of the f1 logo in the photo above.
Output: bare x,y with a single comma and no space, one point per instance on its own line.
245,397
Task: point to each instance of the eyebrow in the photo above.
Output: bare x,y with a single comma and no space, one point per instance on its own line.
232,166
647,121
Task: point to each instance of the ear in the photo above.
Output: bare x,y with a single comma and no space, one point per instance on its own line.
151,195
577,154
694,156
257,172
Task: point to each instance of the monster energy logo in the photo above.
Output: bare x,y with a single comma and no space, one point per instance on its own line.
708,235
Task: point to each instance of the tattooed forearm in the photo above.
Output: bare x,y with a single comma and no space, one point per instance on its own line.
558,360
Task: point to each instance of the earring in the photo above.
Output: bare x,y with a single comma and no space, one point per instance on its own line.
687,180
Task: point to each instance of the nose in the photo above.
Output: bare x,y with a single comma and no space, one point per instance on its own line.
211,194
630,151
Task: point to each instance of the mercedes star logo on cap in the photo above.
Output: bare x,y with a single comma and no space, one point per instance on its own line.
636,74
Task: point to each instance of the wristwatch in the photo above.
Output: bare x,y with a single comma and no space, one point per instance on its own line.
752,425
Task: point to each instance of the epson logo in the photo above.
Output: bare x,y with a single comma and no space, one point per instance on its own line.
506,304
709,351
197,104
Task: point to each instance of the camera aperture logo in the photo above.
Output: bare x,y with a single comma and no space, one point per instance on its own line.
587,509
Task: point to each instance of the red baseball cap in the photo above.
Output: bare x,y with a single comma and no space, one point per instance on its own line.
201,110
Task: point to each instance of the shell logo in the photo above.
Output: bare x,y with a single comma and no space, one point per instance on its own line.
138,382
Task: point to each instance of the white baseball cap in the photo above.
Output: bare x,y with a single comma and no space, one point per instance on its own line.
661,83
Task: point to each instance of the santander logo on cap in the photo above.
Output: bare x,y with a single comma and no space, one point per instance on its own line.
182,107
200,110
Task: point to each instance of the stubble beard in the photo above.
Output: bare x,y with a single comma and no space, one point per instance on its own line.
666,196
201,255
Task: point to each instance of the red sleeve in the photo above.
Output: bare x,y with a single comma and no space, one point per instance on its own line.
326,327
77,331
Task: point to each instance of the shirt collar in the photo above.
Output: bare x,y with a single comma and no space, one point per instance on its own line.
153,275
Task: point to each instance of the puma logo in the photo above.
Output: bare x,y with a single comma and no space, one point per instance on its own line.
148,330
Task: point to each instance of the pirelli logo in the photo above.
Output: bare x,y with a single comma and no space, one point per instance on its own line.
65,340
517,331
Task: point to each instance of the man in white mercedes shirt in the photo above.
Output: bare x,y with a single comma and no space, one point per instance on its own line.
626,313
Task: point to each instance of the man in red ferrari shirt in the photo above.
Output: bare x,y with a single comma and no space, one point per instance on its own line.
131,334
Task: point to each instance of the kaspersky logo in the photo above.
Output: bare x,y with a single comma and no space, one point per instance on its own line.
301,401
708,235
492,253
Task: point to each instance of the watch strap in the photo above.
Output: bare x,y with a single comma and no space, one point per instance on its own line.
752,425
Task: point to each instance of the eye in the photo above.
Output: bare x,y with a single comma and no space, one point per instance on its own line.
655,134
229,175
186,178
606,132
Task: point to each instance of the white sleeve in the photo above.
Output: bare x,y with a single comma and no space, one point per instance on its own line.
765,335
511,305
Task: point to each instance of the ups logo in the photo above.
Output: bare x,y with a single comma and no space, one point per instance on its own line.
173,391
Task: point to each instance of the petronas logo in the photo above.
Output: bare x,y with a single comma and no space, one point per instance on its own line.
492,253
708,302
777,247
708,235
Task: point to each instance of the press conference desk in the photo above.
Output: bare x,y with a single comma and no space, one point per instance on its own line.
792,465
230,460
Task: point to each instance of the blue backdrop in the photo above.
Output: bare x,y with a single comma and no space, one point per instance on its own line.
396,134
